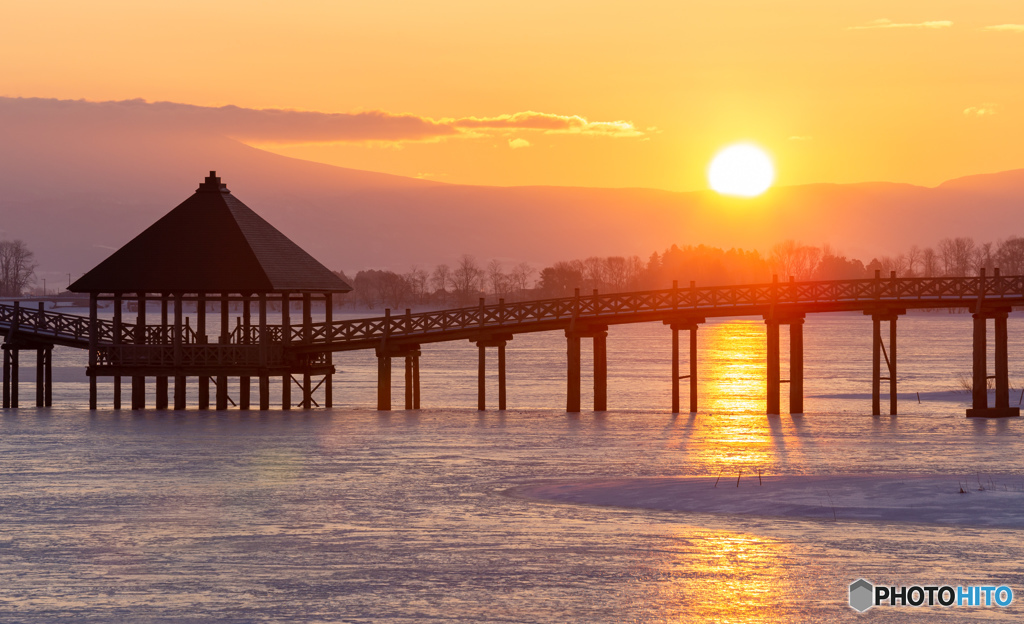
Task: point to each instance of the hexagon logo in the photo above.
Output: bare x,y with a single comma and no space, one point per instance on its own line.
861,595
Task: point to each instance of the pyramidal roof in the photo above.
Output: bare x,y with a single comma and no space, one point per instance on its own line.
210,243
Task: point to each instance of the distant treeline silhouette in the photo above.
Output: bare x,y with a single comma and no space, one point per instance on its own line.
468,280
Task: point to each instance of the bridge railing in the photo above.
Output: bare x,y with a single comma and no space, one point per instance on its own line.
600,307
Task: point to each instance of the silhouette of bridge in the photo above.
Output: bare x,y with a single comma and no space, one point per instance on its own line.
175,349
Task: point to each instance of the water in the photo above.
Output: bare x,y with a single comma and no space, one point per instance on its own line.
356,515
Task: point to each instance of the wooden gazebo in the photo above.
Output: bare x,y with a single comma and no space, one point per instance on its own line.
212,248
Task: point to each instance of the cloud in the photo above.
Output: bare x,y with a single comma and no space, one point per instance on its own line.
1007,28
985,110
282,126
548,123
517,143
886,23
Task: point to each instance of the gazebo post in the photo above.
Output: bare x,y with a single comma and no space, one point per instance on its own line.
264,345
224,341
179,379
243,382
201,339
286,338
93,340
139,381
329,356
307,337
161,381
117,347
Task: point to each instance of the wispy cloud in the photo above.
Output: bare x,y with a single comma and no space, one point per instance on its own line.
518,143
887,23
1019,28
295,127
985,110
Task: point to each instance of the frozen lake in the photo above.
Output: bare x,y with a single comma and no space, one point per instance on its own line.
353,515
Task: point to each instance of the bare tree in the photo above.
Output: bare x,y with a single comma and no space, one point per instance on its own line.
440,280
466,279
913,260
1010,255
16,267
929,262
519,278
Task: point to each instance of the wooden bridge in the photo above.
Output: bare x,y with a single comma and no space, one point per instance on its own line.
174,349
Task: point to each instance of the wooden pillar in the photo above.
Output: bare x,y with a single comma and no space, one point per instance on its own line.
202,338
264,355
892,365
979,392
502,393
572,401
675,369
693,368
14,377
600,371
40,363
176,336
117,345
876,365
481,377
225,340
796,366
328,382
139,381
48,386
243,382
93,342
40,374
1002,363
409,358
307,338
161,381
774,368
286,338
7,376
383,381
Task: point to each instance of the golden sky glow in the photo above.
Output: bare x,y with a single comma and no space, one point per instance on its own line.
568,93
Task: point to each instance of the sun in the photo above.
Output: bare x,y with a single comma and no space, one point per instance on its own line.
742,169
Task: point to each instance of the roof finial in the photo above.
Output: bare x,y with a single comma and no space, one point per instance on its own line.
212,183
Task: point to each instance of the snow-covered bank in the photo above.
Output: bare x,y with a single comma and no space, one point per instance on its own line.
968,500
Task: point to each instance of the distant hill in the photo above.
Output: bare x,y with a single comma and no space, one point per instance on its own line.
75,188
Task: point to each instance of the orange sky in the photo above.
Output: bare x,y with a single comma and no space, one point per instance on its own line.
915,91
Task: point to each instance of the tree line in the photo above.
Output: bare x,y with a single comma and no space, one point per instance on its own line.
468,280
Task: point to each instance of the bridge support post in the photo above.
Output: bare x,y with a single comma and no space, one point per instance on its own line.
93,339
410,381
177,338
307,337
7,376
243,382
264,356
600,371
689,324
117,345
40,375
878,353
774,368
286,338
1002,363
139,381
876,365
161,381
225,341
329,379
979,393
572,400
482,343
383,382
202,338
796,366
